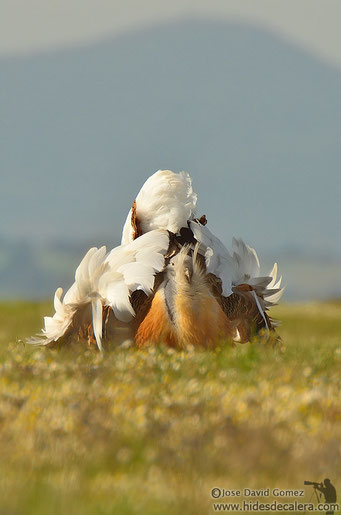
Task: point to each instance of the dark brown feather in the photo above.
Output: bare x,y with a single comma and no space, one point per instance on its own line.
240,308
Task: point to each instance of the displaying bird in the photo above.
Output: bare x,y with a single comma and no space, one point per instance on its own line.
170,281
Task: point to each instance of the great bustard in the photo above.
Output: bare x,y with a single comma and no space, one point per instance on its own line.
170,281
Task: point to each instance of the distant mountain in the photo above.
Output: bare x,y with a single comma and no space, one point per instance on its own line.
255,120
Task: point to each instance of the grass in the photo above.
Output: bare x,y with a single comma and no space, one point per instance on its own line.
152,431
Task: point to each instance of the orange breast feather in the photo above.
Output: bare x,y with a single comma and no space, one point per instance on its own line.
156,326
196,321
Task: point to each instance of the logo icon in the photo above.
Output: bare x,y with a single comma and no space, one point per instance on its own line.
327,489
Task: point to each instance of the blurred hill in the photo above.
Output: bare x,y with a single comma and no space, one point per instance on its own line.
255,120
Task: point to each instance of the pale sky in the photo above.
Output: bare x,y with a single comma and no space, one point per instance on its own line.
29,26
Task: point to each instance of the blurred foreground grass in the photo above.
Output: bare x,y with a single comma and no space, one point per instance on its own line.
153,431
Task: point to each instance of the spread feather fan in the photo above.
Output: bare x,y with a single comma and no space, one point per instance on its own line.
171,280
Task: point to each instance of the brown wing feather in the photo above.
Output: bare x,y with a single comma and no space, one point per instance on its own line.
241,308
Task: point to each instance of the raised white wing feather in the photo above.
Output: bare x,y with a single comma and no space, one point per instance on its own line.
133,267
240,268
218,259
108,280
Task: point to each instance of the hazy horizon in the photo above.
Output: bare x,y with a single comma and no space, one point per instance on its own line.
254,119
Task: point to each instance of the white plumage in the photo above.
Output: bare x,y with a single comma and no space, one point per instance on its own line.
104,279
161,232
242,267
165,201
217,258
56,326
132,267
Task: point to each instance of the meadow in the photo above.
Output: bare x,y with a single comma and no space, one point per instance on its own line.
153,431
